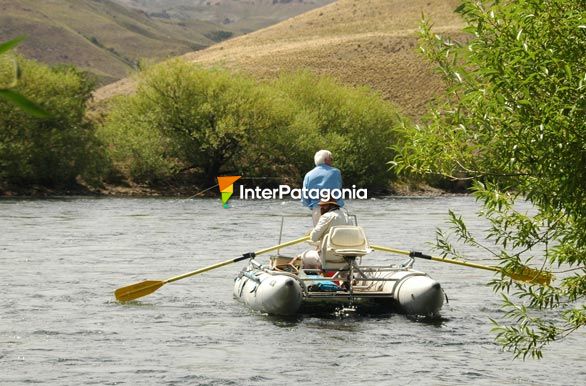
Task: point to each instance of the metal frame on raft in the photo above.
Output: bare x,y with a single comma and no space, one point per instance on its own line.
355,287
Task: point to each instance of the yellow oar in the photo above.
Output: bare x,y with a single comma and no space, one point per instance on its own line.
138,290
526,274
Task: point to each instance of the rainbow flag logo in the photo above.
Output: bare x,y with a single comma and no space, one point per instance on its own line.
226,184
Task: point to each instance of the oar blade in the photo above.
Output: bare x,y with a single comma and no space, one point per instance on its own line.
531,275
138,290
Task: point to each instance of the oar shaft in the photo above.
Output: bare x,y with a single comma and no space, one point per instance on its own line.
204,269
526,274
243,257
435,258
135,291
283,245
466,264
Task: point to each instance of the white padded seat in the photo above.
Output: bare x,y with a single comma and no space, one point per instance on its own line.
343,241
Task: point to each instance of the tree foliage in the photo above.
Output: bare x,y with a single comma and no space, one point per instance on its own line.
185,117
9,76
54,149
514,123
351,122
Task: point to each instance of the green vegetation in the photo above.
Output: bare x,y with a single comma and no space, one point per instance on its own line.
185,125
514,124
9,76
206,122
183,118
50,150
218,36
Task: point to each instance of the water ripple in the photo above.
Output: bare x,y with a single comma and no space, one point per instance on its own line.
62,325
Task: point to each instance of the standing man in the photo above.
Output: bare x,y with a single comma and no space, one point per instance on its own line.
323,177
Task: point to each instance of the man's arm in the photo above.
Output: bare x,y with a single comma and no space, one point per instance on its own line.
322,226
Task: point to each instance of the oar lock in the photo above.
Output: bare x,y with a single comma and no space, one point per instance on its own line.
248,255
420,255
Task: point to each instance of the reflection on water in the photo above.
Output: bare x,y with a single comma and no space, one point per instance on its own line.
62,259
433,320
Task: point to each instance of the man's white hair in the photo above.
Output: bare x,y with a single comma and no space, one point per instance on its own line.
321,156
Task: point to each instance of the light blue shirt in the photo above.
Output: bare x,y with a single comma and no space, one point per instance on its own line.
322,177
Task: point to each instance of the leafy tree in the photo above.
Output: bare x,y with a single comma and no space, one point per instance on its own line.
9,76
356,124
48,150
514,123
185,117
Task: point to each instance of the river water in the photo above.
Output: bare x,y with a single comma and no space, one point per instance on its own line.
61,259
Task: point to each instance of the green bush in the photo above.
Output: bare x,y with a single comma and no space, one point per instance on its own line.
356,124
52,151
183,117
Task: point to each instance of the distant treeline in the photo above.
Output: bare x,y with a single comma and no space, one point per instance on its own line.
186,125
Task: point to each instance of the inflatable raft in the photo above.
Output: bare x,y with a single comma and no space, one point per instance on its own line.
335,278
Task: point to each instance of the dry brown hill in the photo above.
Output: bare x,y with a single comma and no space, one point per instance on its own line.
240,16
360,42
101,37
108,38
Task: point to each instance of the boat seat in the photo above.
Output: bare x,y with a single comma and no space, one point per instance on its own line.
341,243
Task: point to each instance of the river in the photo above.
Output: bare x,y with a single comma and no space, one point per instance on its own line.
62,258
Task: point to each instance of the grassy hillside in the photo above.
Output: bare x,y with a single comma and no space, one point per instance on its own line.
108,38
372,42
100,36
240,15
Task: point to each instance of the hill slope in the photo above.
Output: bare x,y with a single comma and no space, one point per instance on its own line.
104,36
240,15
360,42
